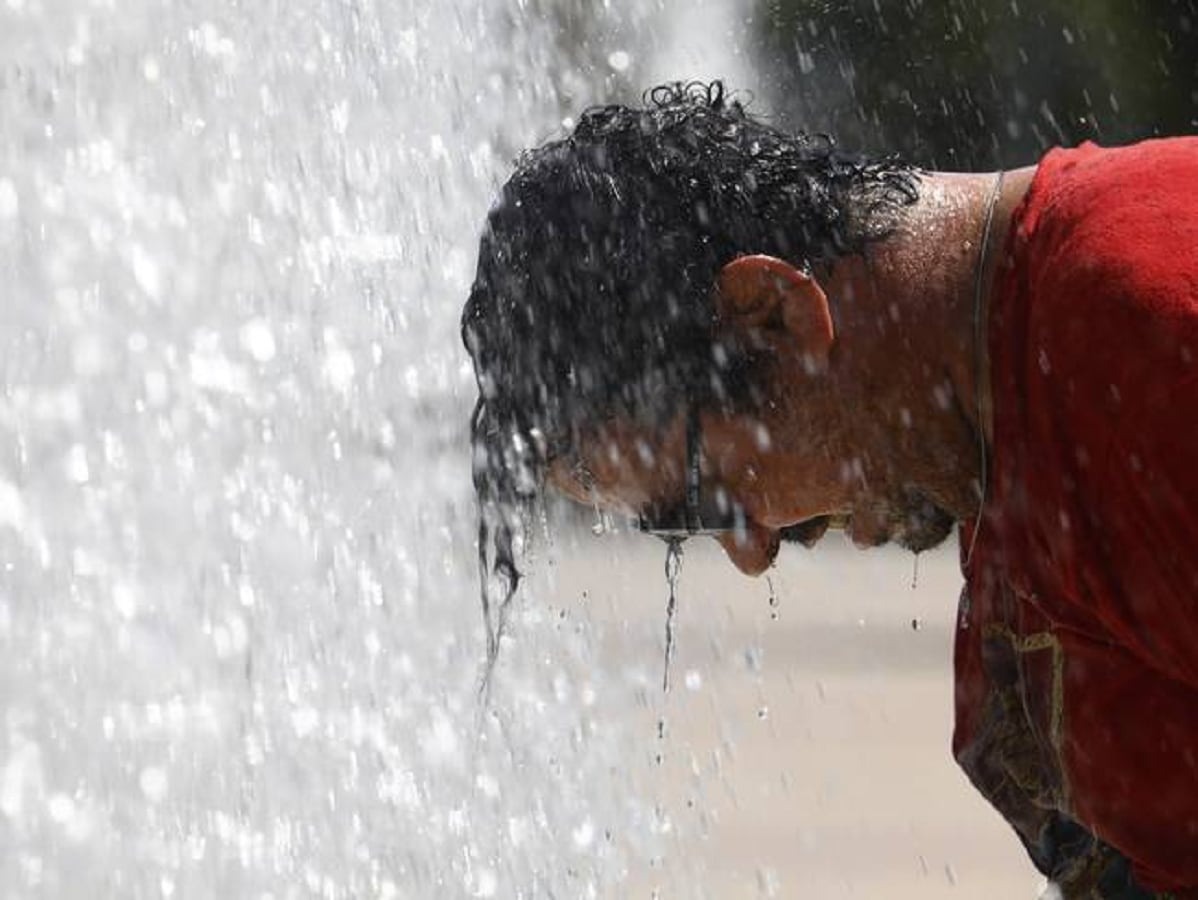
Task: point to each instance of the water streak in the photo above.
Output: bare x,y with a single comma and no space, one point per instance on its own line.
673,568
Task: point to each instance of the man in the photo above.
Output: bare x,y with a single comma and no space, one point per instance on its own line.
686,315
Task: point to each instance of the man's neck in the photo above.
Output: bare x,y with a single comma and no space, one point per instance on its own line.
911,323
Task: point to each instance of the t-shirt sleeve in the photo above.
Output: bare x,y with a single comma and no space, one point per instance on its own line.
1114,362
1109,365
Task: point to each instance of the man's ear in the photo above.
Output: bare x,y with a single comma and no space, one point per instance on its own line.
762,292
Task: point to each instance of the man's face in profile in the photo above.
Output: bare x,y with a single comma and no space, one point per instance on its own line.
780,483
801,458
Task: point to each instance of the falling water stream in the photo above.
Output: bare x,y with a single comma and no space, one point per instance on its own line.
239,635
673,568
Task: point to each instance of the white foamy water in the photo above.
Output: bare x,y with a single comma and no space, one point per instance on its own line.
239,634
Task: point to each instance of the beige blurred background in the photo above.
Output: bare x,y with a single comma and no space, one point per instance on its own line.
804,748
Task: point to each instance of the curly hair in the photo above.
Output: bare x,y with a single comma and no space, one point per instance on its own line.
592,298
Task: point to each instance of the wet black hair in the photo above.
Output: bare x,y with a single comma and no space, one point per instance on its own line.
592,298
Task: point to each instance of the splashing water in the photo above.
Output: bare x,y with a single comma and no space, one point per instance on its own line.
238,617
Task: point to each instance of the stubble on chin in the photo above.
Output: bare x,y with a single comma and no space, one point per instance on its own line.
912,521
922,524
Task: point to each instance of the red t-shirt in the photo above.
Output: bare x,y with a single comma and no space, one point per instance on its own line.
1077,644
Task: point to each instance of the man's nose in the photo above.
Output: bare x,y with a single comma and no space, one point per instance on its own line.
751,550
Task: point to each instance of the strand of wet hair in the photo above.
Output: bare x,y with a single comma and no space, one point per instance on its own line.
504,567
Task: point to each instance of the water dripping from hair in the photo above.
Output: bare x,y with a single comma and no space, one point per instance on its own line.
495,616
673,568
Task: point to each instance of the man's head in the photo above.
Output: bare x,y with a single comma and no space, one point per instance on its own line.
595,320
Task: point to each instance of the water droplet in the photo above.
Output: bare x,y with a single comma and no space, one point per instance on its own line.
486,882
1045,365
584,835
339,369
77,468
762,436
258,340
153,783
9,202
61,808
620,60
145,271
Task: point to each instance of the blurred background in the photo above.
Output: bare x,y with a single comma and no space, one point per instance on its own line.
951,84
240,642
961,84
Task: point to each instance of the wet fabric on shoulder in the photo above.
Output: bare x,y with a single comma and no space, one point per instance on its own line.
1076,656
